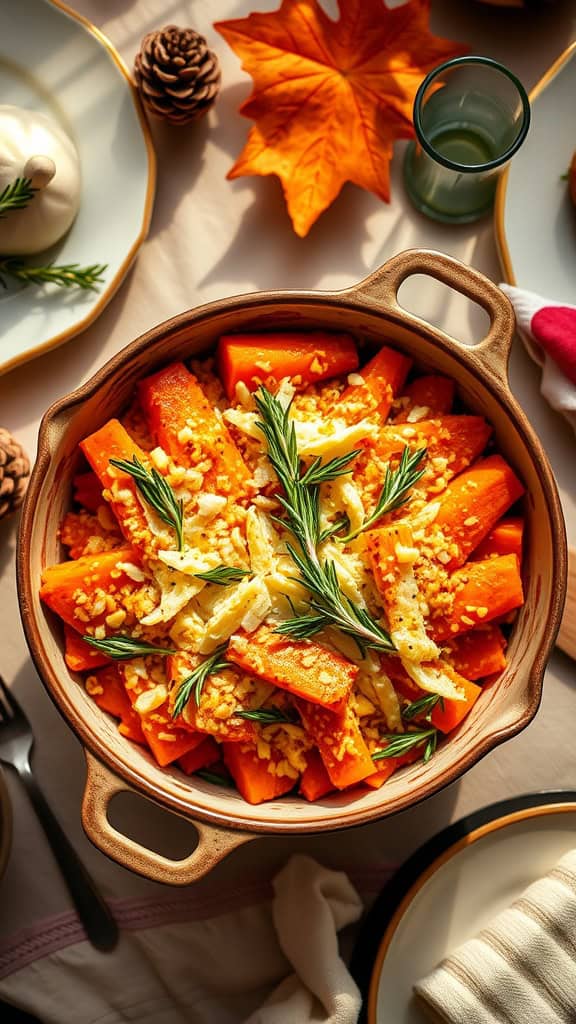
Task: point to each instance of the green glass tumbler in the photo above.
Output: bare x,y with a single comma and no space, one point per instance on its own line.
471,115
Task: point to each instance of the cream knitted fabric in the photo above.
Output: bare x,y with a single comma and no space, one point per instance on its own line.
521,969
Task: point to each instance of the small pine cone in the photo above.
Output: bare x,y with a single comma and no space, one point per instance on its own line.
177,76
14,473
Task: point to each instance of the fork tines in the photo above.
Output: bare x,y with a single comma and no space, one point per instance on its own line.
9,707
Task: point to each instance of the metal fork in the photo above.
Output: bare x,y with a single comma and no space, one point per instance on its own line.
16,741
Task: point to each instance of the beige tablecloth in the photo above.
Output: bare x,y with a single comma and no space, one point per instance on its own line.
210,238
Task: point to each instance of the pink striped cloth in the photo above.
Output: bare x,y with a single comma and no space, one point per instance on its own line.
548,330
258,952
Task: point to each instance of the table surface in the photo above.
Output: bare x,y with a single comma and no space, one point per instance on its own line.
210,238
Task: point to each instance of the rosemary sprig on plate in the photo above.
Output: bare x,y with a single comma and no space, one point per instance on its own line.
397,484
156,490
401,743
119,647
66,275
267,716
223,575
301,503
16,195
194,683
423,706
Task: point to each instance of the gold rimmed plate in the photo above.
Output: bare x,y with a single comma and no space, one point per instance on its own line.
535,221
54,61
450,889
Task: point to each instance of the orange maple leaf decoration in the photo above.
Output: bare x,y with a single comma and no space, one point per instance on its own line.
331,97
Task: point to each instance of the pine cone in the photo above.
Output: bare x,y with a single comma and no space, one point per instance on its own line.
14,473
177,76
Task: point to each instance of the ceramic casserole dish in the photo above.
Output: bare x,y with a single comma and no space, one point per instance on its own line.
369,310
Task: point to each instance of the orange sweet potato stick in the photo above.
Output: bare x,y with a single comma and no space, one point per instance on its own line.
473,502
87,491
386,766
207,716
432,393
482,591
251,775
167,741
340,743
446,714
80,656
478,653
315,781
77,590
302,667
113,441
382,379
453,442
449,713
306,358
504,539
205,754
184,423
106,687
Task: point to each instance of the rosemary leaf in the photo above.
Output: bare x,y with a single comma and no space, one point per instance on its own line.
156,490
223,575
214,777
16,195
122,647
401,743
397,483
320,473
267,716
66,275
301,503
194,683
302,627
423,706
340,524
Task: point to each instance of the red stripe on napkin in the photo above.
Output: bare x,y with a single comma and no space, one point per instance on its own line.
554,328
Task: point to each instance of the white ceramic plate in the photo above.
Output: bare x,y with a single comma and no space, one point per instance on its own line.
534,218
54,61
451,889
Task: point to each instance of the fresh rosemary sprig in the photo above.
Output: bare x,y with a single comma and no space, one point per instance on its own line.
121,647
66,275
423,706
328,605
267,716
156,490
223,575
400,743
397,483
194,683
16,195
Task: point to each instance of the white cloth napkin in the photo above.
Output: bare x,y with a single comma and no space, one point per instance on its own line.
521,969
212,970
548,330
310,907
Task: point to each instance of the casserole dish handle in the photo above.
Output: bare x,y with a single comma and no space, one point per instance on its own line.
492,353
214,843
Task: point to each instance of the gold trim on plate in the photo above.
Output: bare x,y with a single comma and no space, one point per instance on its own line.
500,201
540,810
114,284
